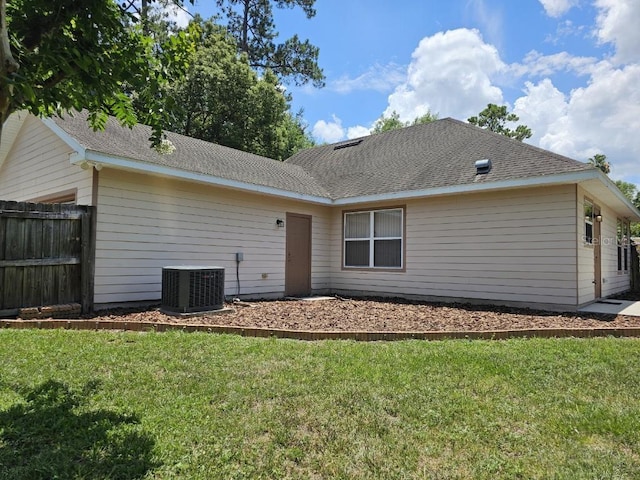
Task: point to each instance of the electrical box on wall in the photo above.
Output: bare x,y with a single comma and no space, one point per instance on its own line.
239,257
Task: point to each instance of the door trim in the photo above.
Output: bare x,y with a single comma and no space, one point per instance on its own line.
597,253
287,272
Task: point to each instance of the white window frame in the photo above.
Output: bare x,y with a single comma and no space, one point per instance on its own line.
588,221
372,239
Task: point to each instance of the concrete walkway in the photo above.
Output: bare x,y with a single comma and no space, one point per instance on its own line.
613,307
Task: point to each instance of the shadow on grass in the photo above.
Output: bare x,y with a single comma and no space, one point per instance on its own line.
51,435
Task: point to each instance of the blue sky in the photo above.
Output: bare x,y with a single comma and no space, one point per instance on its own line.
569,68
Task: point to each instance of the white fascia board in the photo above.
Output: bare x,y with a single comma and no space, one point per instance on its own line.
547,180
619,195
129,164
79,149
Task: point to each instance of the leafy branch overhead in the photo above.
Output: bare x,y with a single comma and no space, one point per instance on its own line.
495,118
57,56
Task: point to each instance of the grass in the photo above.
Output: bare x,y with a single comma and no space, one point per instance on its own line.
96,405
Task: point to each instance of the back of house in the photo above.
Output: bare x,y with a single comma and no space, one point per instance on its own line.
441,211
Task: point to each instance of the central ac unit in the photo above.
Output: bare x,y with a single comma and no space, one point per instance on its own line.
188,289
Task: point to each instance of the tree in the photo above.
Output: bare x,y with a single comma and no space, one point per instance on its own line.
495,118
599,160
385,124
629,189
223,100
251,23
631,192
426,118
60,55
393,122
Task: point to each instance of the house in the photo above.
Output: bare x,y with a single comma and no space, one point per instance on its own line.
441,211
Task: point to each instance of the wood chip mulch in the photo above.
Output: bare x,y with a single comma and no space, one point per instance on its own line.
373,315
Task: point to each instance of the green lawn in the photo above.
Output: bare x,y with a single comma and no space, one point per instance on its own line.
101,405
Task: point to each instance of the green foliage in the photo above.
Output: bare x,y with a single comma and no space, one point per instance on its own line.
495,118
426,118
222,100
200,406
251,23
393,122
599,161
73,55
385,124
630,190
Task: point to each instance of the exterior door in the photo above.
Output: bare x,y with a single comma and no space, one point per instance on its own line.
297,273
597,252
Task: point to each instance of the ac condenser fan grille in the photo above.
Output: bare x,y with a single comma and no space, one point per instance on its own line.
192,289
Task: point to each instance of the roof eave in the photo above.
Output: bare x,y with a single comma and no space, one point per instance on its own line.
545,180
123,163
608,191
77,147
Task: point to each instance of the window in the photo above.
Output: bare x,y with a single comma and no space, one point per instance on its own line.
625,244
373,239
67,197
622,239
588,222
619,242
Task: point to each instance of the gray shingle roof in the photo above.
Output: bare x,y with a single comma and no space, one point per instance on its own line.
191,155
432,155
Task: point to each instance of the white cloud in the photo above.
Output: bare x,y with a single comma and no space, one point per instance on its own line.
358,131
617,23
333,131
329,132
380,78
603,116
557,8
565,29
450,74
536,64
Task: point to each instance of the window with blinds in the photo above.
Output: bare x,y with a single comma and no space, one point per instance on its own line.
373,239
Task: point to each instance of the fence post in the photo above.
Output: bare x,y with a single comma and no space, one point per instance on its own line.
87,268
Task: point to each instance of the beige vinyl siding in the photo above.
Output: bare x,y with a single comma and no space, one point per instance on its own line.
511,246
38,166
146,222
586,269
613,281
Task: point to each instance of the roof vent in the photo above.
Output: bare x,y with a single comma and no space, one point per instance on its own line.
483,166
348,144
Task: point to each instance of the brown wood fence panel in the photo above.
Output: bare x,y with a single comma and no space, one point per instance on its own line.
46,255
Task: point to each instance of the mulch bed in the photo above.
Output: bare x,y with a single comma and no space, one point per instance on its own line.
375,315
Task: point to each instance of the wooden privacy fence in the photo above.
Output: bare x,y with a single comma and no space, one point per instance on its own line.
46,255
